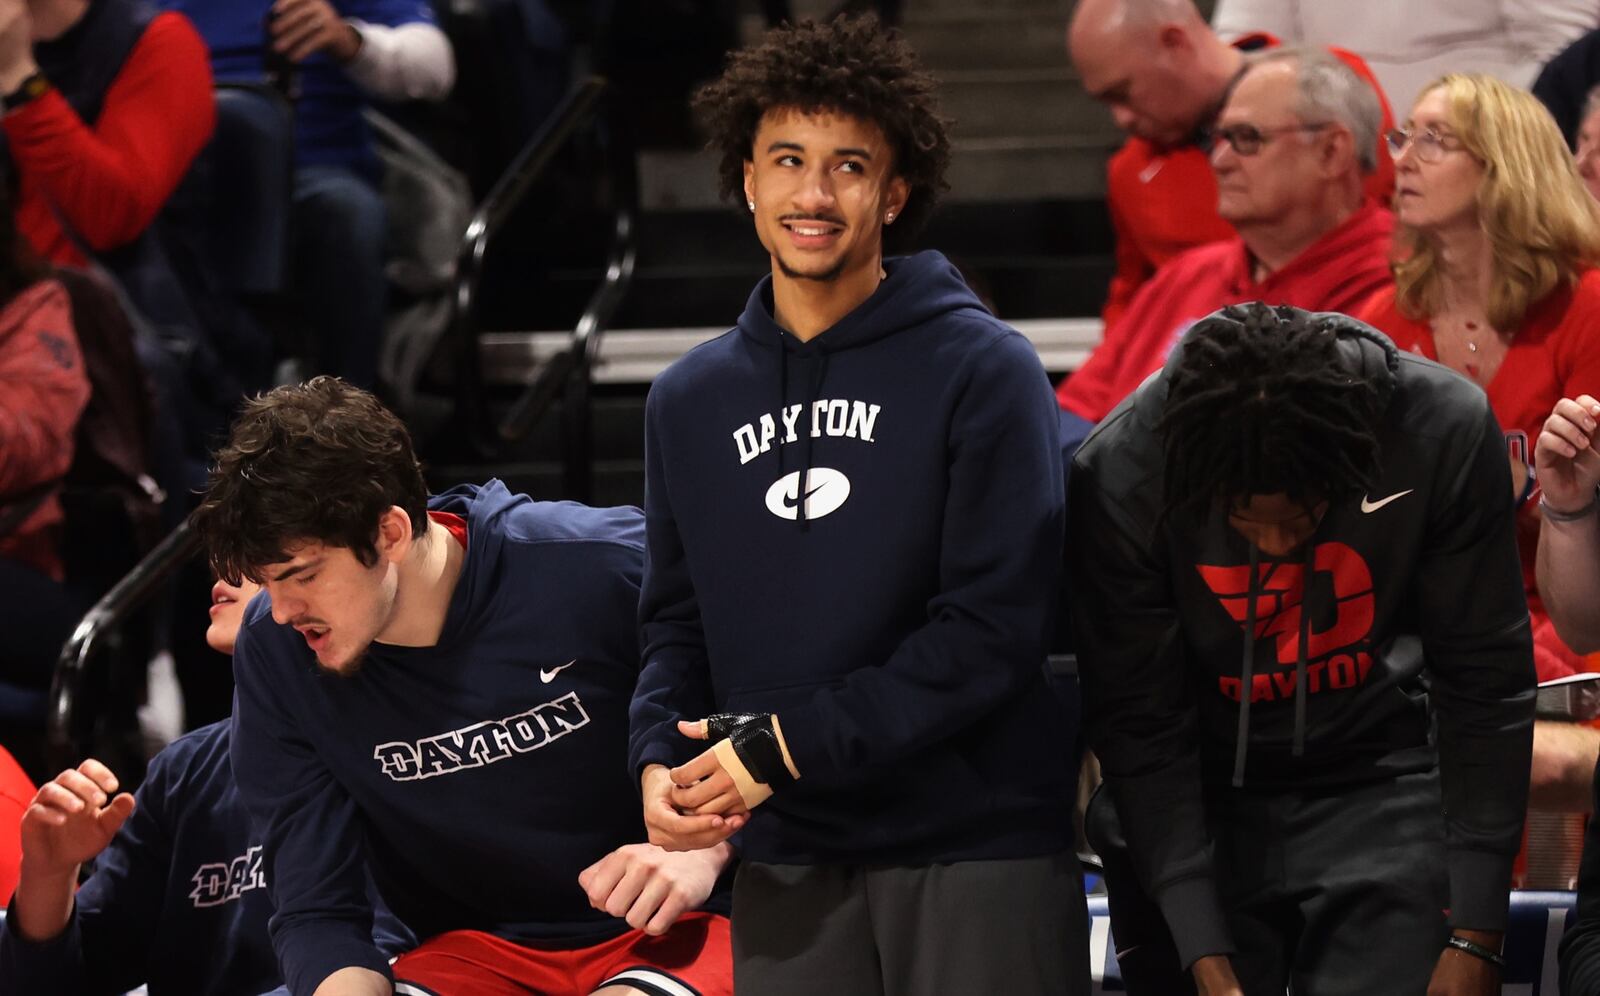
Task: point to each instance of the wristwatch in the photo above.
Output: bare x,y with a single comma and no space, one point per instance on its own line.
33,87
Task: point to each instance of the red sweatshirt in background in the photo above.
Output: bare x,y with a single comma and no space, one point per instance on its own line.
1335,273
1554,355
1164,201
43,389
111,181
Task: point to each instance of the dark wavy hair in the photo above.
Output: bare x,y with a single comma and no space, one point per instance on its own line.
1259,403
850,65
320,461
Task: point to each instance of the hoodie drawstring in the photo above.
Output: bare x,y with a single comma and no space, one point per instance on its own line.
819,372
1247,665
1246,671
1303,646
783,394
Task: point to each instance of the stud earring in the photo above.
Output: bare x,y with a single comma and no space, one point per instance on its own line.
888,219
752,205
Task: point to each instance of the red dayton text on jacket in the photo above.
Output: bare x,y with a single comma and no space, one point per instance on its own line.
1338,638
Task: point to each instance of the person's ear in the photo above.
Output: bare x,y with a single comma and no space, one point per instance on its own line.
895,196
750,185
1336,151
394,534
1174,40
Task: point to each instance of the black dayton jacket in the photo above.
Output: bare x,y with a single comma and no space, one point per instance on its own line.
1415,607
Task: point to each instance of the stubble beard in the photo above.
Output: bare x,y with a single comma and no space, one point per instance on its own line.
825,277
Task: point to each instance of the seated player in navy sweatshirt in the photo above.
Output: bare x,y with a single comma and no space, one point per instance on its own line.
440,687
854,519
176,901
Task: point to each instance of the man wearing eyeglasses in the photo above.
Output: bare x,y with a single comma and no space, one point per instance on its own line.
1164,75
1292,151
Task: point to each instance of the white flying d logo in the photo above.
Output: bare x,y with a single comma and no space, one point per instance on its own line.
827,490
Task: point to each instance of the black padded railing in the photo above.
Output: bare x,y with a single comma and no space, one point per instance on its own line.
100,632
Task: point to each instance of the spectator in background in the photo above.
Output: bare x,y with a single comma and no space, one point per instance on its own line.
1569,578
1294,145
1165,75
341,56
1408,45
43,391
1497,237
16,790
106,104
1566,83
1588,143
178,899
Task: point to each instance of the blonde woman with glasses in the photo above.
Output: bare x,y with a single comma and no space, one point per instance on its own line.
1494,277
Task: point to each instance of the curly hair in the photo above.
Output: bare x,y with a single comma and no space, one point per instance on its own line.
320,461
1541,221
850,65
1259,403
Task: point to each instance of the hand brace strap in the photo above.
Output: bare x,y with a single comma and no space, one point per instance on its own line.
758,741
753,793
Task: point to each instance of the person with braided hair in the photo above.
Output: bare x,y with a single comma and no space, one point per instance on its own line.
1306,663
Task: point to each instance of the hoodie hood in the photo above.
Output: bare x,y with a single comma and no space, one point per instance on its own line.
483,507
1363,350
1366,354
916,290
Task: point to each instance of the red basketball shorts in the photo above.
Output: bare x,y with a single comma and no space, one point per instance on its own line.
693,958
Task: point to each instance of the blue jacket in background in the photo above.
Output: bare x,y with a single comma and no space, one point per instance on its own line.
329,129
899,628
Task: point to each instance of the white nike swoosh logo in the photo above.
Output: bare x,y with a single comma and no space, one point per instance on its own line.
1372,506
550,675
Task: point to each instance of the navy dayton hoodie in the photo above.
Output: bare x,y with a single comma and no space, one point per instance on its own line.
476,777
896,618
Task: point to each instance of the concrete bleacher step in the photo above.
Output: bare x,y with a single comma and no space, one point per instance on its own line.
1008,101
1017,35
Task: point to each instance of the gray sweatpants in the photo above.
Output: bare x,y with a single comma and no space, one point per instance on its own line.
973,927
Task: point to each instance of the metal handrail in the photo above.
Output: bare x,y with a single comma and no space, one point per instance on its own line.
107,615
575,110
584,345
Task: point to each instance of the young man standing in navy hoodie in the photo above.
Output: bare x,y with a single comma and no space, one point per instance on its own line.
854,518
437,688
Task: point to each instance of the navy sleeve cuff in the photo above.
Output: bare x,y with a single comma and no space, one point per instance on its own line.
317,950
55,965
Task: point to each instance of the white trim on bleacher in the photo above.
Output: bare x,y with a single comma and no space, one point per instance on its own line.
636,356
